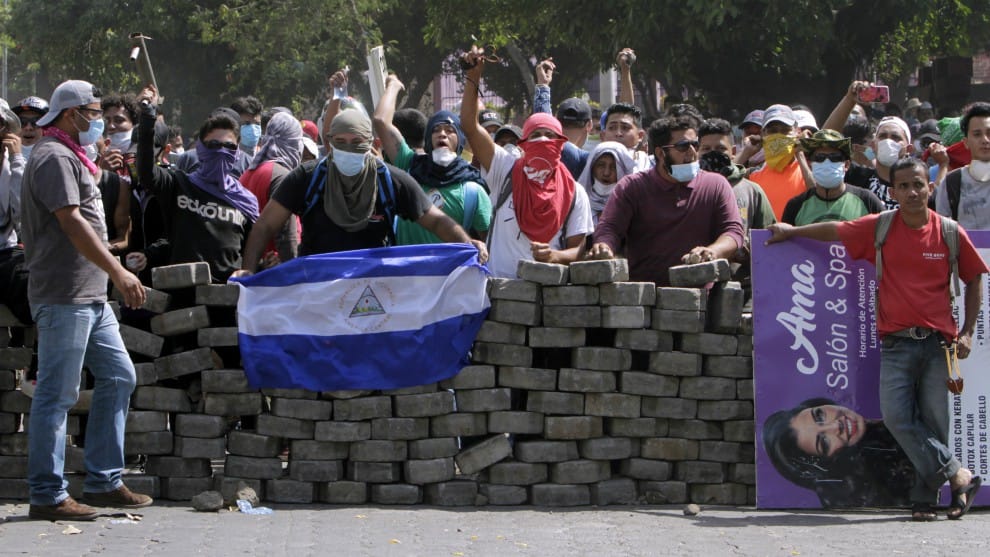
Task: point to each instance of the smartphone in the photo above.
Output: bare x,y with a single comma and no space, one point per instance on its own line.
875,94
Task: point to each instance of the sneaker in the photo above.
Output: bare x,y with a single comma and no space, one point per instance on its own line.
121,498
69,509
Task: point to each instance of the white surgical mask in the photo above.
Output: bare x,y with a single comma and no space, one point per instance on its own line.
349,164
888,151
979,170
443,156
513,149
120,141
91,151
603,189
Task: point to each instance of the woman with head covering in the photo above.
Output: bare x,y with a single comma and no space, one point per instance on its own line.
452,185
279,152
848,461
349,199
608,163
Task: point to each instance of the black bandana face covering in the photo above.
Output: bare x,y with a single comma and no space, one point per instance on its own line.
716,161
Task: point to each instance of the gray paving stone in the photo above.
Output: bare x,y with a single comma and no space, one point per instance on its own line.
376,450
646,469
599,271
708,388
699,472
580,471
648,384
527,378
343,492
365,408
289,491
414,390
452,494
141,342
636,427
400,429
675,408
515,312
484,400
739,431
644,339
613,405
678,321
184,489
305,449
145,373
725,307
286,428
179,321
572,316
374,472
225,381
291,393
342,431
502,354
482,455
541,273
518,473
183,363
710,344
141,421
617,491
437,447
155,301
15,402
316,410
556,337
626,317
233,404
725,410
694,429
724,451
15,358
513,289
396,494
628,294
183,275
222,295
572,427
668,449
585,381
663,493
161,398
734,367
502,333
679,364
424,405
466,424
430,471
503,494
195,447
472,377
178,467
250,444
607,448
601,358
516,422
217,336
682,299
555,495
698,274
253,467
553,402
570,295
316,470
722,494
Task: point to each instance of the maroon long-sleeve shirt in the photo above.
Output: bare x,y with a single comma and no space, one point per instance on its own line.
656,221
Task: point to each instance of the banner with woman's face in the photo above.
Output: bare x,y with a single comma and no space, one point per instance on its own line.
819,437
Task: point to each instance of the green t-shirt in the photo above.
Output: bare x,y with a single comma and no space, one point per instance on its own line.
449,199
808,208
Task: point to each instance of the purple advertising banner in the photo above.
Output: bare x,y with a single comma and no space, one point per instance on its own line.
816,369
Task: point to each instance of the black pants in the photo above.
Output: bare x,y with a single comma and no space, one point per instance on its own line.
14,284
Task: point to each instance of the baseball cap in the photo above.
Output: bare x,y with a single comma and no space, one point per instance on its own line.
929,130
829,138
753,118
805,119
489,117
574,110
10,120
309,129
779,113
509,128
926,106
70,94
35,104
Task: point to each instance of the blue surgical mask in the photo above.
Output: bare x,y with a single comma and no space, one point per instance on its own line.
685,172
828,174
26,151
349,164
91,135
869,154
250,134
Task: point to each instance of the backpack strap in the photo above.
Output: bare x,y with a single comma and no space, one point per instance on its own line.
880,236
386,190
470,205
313,190
950,235
503,196
563,229
953,187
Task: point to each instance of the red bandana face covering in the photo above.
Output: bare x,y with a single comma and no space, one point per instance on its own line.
542,189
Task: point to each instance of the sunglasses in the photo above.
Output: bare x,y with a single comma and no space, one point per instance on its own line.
216,144
26,121
833,157
683,145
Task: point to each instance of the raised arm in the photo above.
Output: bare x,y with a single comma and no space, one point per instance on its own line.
391,137
337,81
482,144
837,119
541,95
625,59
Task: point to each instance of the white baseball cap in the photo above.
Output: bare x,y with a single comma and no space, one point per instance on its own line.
69,94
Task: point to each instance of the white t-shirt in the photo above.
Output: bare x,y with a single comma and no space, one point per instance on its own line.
974,202
509,244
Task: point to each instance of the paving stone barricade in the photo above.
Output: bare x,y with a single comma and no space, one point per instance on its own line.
585,389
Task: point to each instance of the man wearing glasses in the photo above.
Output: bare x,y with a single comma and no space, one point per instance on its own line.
68,262
828,155
671,214
30,110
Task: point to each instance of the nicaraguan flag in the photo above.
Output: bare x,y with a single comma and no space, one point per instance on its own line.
381,318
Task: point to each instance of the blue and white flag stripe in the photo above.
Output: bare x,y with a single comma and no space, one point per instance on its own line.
367,319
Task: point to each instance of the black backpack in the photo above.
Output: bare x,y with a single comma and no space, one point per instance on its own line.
386,191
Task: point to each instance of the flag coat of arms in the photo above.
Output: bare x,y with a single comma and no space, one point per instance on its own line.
381,318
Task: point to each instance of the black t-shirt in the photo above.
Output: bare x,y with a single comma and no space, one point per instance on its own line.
868,179
322,235
109,186
201,227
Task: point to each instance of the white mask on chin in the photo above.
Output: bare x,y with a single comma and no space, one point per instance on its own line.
443,156
979,170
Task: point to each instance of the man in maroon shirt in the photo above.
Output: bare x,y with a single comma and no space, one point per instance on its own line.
663,216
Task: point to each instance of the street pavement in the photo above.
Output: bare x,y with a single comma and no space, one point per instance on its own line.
300,530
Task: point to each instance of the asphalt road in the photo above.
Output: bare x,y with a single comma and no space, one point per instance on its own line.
172,529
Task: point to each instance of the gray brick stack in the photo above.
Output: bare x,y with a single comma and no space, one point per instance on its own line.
585,389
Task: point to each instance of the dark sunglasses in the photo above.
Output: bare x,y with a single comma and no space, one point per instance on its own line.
834,157
27,121
683,145
216,144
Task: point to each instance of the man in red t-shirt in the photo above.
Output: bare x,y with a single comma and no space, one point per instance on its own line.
915,323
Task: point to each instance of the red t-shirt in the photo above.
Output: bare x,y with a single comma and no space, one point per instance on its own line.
915,287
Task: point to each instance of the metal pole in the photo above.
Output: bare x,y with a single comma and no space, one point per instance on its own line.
3,89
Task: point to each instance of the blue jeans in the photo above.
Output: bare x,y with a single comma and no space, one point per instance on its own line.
914,401
70,336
